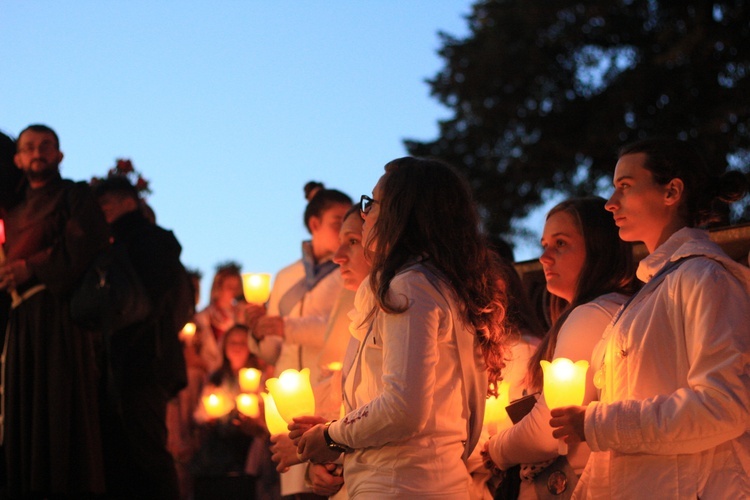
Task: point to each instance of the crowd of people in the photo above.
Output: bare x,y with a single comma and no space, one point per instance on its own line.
411,322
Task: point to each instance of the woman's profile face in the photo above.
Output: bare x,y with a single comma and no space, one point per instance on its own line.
564,254
350,255
325,228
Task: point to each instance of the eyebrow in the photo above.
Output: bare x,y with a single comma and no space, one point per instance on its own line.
621,178
554,235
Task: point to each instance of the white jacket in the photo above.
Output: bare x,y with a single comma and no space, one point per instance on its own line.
530,440
675,405
407,419
305,326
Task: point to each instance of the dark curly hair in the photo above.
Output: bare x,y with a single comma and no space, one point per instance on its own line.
426,210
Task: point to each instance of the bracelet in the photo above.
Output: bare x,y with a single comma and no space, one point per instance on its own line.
330,442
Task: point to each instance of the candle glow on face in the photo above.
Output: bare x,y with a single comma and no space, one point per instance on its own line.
256,287
292,393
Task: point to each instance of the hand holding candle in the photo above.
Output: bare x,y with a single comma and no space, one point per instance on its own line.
564,385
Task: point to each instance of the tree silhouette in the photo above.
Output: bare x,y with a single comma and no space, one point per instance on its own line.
543,92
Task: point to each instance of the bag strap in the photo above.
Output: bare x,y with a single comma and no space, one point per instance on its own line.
313,276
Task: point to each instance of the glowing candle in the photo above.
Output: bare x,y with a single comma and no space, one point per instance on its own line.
217,404
275,424
495,414
564,385
187,332
13,292
250,379
292,393
248,404
256,287
335,366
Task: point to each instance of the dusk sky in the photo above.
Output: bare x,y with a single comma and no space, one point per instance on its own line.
228,108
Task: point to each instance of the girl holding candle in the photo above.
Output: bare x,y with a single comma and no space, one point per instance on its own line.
673,368
430,325
589,272
220,465
293,332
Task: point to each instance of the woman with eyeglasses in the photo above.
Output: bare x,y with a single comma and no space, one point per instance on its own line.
430,321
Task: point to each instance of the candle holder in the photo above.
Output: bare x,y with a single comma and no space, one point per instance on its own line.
275,424
250,379
564,385
248,405
256,287
292,393
495,414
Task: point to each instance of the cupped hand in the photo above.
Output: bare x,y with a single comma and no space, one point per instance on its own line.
567,422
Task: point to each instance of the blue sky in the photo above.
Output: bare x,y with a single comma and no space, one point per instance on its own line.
228,108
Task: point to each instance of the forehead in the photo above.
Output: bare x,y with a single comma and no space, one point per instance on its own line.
32,136
561,223
352,224
632,166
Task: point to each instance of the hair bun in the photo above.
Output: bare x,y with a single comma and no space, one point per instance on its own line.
731,186
311,188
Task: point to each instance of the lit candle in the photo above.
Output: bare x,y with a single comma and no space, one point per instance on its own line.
187,332
217,404
248,404
13,292
275,424
564,385
335,366
250,379
256,287
495,414
292,393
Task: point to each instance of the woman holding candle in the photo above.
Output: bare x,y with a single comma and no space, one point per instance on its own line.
589,272
430,323
303,295
673,368
229,438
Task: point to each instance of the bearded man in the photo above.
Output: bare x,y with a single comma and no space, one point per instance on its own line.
50,409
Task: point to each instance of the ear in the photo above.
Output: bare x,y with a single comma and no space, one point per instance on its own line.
674,191
59,156
314,223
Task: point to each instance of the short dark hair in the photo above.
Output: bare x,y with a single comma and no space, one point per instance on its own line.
44,129
706,188
115,184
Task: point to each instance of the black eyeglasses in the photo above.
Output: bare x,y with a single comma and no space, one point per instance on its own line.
365,204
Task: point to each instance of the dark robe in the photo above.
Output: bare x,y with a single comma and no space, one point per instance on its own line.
52,437
138,464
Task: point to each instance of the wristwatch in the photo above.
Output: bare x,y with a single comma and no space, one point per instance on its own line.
330,442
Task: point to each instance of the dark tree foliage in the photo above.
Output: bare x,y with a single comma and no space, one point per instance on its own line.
543,92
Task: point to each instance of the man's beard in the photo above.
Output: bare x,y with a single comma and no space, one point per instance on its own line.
42,176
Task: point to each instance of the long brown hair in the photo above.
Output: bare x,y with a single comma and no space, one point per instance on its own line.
609,267
426,211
